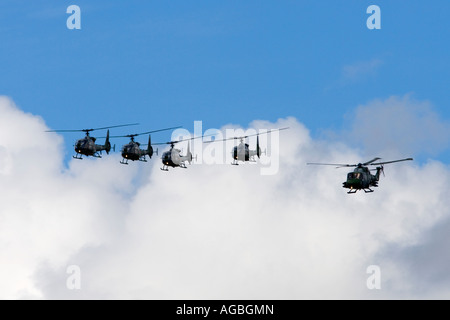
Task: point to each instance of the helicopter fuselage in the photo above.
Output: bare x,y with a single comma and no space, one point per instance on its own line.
132,151
241,152
173,158
361,179
87,146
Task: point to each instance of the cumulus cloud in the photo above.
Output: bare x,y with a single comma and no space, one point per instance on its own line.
212,231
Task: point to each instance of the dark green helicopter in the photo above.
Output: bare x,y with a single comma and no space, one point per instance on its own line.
132,150
87,145
361,178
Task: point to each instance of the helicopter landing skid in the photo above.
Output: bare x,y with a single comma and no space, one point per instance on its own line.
352,191
124,162
76,157
165,168
235,163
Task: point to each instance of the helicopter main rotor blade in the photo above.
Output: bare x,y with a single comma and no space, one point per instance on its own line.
148,132
121,125
88,130
369,162
244,137
173,142
386,162
257,134
337,165
66,130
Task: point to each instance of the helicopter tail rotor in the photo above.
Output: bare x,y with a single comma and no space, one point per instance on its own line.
379,169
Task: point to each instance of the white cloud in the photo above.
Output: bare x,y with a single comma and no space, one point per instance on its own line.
210,231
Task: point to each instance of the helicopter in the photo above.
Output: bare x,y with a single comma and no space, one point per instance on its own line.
132,150
173,157
242,151
87,145
361,178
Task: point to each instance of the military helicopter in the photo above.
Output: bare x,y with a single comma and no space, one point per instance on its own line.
173,157
87,145
242,151
361,178
132,150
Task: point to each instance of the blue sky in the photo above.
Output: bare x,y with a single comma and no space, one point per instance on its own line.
352,93
165,64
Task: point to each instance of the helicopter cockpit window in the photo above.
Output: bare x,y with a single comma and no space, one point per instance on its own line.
354,175
166,156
